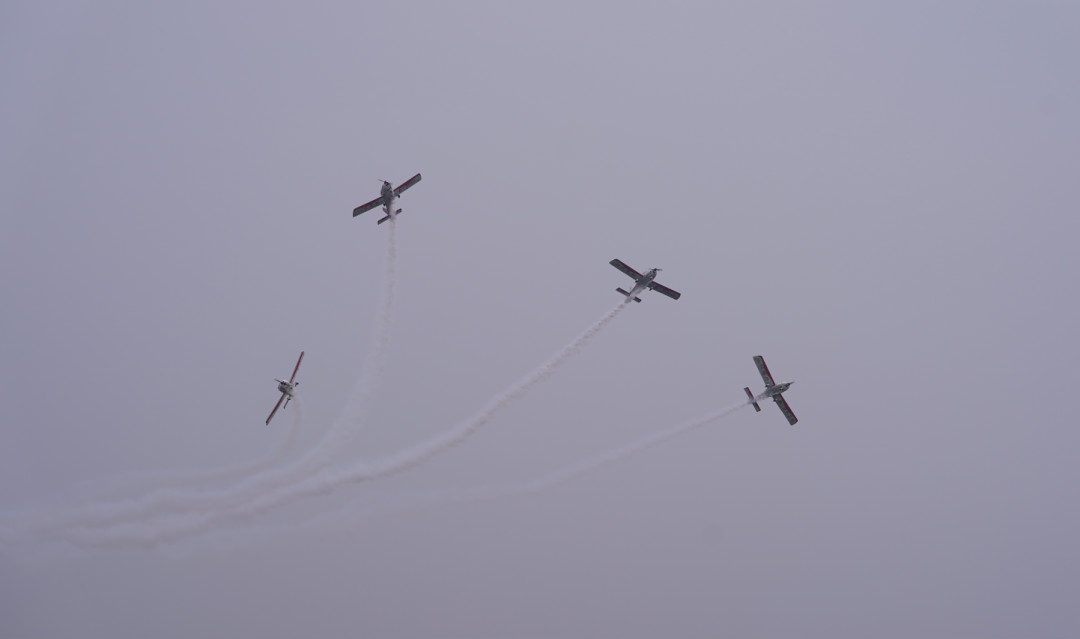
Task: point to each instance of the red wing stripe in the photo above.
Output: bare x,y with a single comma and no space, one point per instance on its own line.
617,263
413,180
764,370
364,208
660,288
785,409
276,406
297,367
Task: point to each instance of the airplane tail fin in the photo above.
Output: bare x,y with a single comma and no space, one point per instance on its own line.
751,396
627,293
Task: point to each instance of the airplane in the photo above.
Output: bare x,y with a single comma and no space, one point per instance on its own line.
773,390
642,282
386,199
286,389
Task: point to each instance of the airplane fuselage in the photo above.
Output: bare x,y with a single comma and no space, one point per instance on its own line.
387,196
773,391
285,387
642,284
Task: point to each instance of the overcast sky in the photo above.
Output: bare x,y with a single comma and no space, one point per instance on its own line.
879,198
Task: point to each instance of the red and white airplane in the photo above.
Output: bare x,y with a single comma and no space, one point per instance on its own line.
646,282
386,199
286,389
773,391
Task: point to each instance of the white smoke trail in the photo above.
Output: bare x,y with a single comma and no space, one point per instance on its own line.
412,456
359,403
272,460
165,480
591,464
165,500
342,518
267,477
329,479
382,332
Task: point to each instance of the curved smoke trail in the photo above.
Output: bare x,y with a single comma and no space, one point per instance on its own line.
171,481
152,504
591,464
329,479
266,477
359,403
553,478
522,489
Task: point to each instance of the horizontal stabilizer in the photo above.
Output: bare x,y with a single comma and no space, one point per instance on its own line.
397,212
751,396
627,293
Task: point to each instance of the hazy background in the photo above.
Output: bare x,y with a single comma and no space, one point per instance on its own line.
881,199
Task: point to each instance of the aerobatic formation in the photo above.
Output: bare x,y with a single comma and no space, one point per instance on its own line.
187,508
642,282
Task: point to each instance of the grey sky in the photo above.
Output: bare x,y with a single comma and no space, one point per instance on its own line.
879,198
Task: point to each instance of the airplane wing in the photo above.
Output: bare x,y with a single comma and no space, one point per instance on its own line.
293,376
764,370
660,288
785,409
276,406
406,184
364,208
625,269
